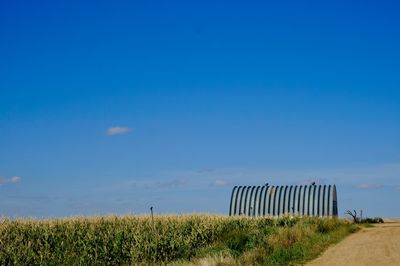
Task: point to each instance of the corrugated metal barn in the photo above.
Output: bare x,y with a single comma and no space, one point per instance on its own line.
312,200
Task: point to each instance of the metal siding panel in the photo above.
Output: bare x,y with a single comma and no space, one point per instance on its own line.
296,200
301,200
271,200
335,203
309,210
250,210
315,189
279,200
291,200
231,206
247,204
311,201
316,201
268,199
261,210
283,201
287,200
306,192
322,207
246,200
326,201
239,207
321,201
274,201
330,201
257,202
237,201
314,195
268,196
254,201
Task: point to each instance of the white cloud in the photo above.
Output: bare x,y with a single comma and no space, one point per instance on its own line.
112,131
15,179
11,180
369,186
220,183
171,183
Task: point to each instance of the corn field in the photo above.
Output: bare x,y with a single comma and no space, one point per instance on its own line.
130,240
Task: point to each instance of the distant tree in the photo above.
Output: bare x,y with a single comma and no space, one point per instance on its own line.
353,215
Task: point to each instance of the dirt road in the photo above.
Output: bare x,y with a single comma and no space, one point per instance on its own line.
376,246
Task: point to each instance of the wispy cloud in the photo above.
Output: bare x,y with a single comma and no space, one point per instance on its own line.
11,180
156,184
171,183
204,170
220,183
369,186
112,131
359,178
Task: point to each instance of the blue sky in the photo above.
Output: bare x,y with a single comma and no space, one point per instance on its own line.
113,107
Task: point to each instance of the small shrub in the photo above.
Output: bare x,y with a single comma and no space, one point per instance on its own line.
353,228
237,241
376,220
325,225
287,236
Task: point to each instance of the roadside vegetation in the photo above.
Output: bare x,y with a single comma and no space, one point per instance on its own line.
175,240
358,219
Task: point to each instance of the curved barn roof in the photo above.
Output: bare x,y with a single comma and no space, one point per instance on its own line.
311,200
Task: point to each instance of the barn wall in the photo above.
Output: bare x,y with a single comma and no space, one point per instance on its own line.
312,200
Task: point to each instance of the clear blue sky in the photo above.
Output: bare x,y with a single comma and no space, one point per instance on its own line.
116,106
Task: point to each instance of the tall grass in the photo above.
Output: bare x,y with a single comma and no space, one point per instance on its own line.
164,239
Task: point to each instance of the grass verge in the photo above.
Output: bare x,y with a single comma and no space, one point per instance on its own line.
310,247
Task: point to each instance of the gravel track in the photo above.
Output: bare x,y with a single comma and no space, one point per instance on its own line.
375,246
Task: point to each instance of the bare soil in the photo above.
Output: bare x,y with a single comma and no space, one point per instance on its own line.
375,246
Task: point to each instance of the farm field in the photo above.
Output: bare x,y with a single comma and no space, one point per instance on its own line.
174,240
